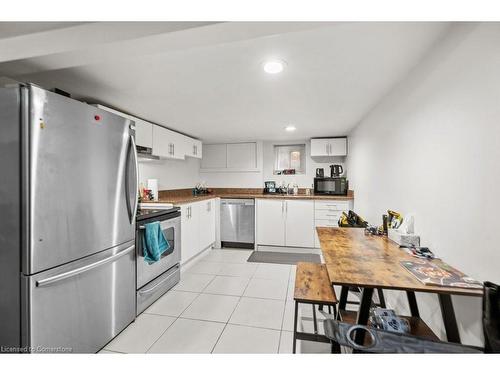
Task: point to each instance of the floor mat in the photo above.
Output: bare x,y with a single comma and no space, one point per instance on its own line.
282,258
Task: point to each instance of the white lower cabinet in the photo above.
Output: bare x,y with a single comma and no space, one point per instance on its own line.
285,222
189,231
271,222
197,228
293,222
206,211
299,231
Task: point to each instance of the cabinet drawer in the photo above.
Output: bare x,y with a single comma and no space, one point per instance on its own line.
326,223
327,215
331,205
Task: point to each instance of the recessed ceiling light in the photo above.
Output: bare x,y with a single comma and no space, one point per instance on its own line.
274,66
290,128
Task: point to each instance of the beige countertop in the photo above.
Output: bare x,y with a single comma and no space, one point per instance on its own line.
245,194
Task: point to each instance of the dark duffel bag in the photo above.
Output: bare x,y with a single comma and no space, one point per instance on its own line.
379,341
491,317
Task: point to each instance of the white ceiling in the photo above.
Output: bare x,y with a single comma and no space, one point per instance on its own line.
206,80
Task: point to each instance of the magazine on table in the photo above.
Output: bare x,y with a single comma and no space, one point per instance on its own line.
439,274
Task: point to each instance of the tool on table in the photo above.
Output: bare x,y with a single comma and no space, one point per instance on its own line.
394,219
419,252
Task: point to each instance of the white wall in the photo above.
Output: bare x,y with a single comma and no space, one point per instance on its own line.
266,162
432,147
171,174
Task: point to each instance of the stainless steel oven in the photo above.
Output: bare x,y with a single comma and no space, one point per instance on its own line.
154,279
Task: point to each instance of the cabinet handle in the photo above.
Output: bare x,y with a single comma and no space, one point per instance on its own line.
326,146
173,149
282,208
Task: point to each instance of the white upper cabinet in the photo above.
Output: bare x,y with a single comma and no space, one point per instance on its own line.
242,156
143,133
192,147
230,157
214,156
164,142
168,144
329,146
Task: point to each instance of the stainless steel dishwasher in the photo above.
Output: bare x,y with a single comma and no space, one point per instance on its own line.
237,217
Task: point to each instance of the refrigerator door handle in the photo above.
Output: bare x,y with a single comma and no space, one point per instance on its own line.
77,271
133,211
136,162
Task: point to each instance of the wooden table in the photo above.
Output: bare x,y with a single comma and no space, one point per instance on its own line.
354,259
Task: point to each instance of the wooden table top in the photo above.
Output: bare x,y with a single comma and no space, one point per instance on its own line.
355,259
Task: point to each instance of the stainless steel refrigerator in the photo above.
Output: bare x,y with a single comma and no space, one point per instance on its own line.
68,200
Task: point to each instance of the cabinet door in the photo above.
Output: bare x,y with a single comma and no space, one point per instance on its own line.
193,148
189,232
299,223
167,144
320,147
179,145
242,156
338,146
162,142
271,222
206,211
143,133
198,149
214,156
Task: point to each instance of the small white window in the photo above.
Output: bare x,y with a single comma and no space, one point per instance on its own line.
289,159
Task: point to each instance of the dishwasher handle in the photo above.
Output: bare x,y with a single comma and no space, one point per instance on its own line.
237,202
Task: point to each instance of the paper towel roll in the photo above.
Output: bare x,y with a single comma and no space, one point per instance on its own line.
153,186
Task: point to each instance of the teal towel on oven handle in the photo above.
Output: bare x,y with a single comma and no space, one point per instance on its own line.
154,243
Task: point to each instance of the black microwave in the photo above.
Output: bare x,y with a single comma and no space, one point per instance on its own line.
331,185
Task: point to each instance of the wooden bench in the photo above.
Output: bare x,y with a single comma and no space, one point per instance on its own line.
313,287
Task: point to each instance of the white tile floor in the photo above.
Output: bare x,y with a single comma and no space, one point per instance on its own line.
222,305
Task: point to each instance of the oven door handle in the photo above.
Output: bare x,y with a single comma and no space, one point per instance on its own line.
164,224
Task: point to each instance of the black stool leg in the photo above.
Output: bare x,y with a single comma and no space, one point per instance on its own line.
295,327
315,321
381,298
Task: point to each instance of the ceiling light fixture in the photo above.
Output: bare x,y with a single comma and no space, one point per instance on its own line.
290,128
273,66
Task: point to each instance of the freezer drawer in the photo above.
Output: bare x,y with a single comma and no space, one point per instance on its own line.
81,306
150,292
